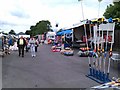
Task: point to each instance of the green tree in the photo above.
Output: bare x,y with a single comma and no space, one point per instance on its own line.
112,10
28,32
5,33
12,32
40,27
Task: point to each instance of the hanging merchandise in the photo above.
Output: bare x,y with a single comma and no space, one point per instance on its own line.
84,39
110,20
117,20
109,38
68,35
1,46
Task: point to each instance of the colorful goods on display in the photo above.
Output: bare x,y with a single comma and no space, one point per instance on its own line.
49,41
1,47
67,52
56,48
85,52
4,45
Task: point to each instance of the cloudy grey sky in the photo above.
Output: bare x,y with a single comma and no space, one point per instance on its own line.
19,15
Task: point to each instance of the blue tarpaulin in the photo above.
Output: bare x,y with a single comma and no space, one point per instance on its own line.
64,32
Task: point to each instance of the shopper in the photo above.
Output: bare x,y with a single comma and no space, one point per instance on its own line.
36,44
32,46
21,44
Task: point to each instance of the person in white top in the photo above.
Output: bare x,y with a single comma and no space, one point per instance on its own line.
32,46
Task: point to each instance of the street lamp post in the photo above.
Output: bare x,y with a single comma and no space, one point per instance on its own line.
99,8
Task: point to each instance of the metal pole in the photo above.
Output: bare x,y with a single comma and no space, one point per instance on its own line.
85,32
98,42
110,52
99,8
90,34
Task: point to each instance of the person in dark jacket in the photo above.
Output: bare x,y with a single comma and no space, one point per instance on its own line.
21,44
36,44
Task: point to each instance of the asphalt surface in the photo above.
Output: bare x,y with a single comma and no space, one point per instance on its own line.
47,70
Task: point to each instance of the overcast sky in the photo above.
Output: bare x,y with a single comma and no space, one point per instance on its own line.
19,15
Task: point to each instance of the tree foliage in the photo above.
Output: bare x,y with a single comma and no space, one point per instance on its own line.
12,32
113,10
28,32
40,27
